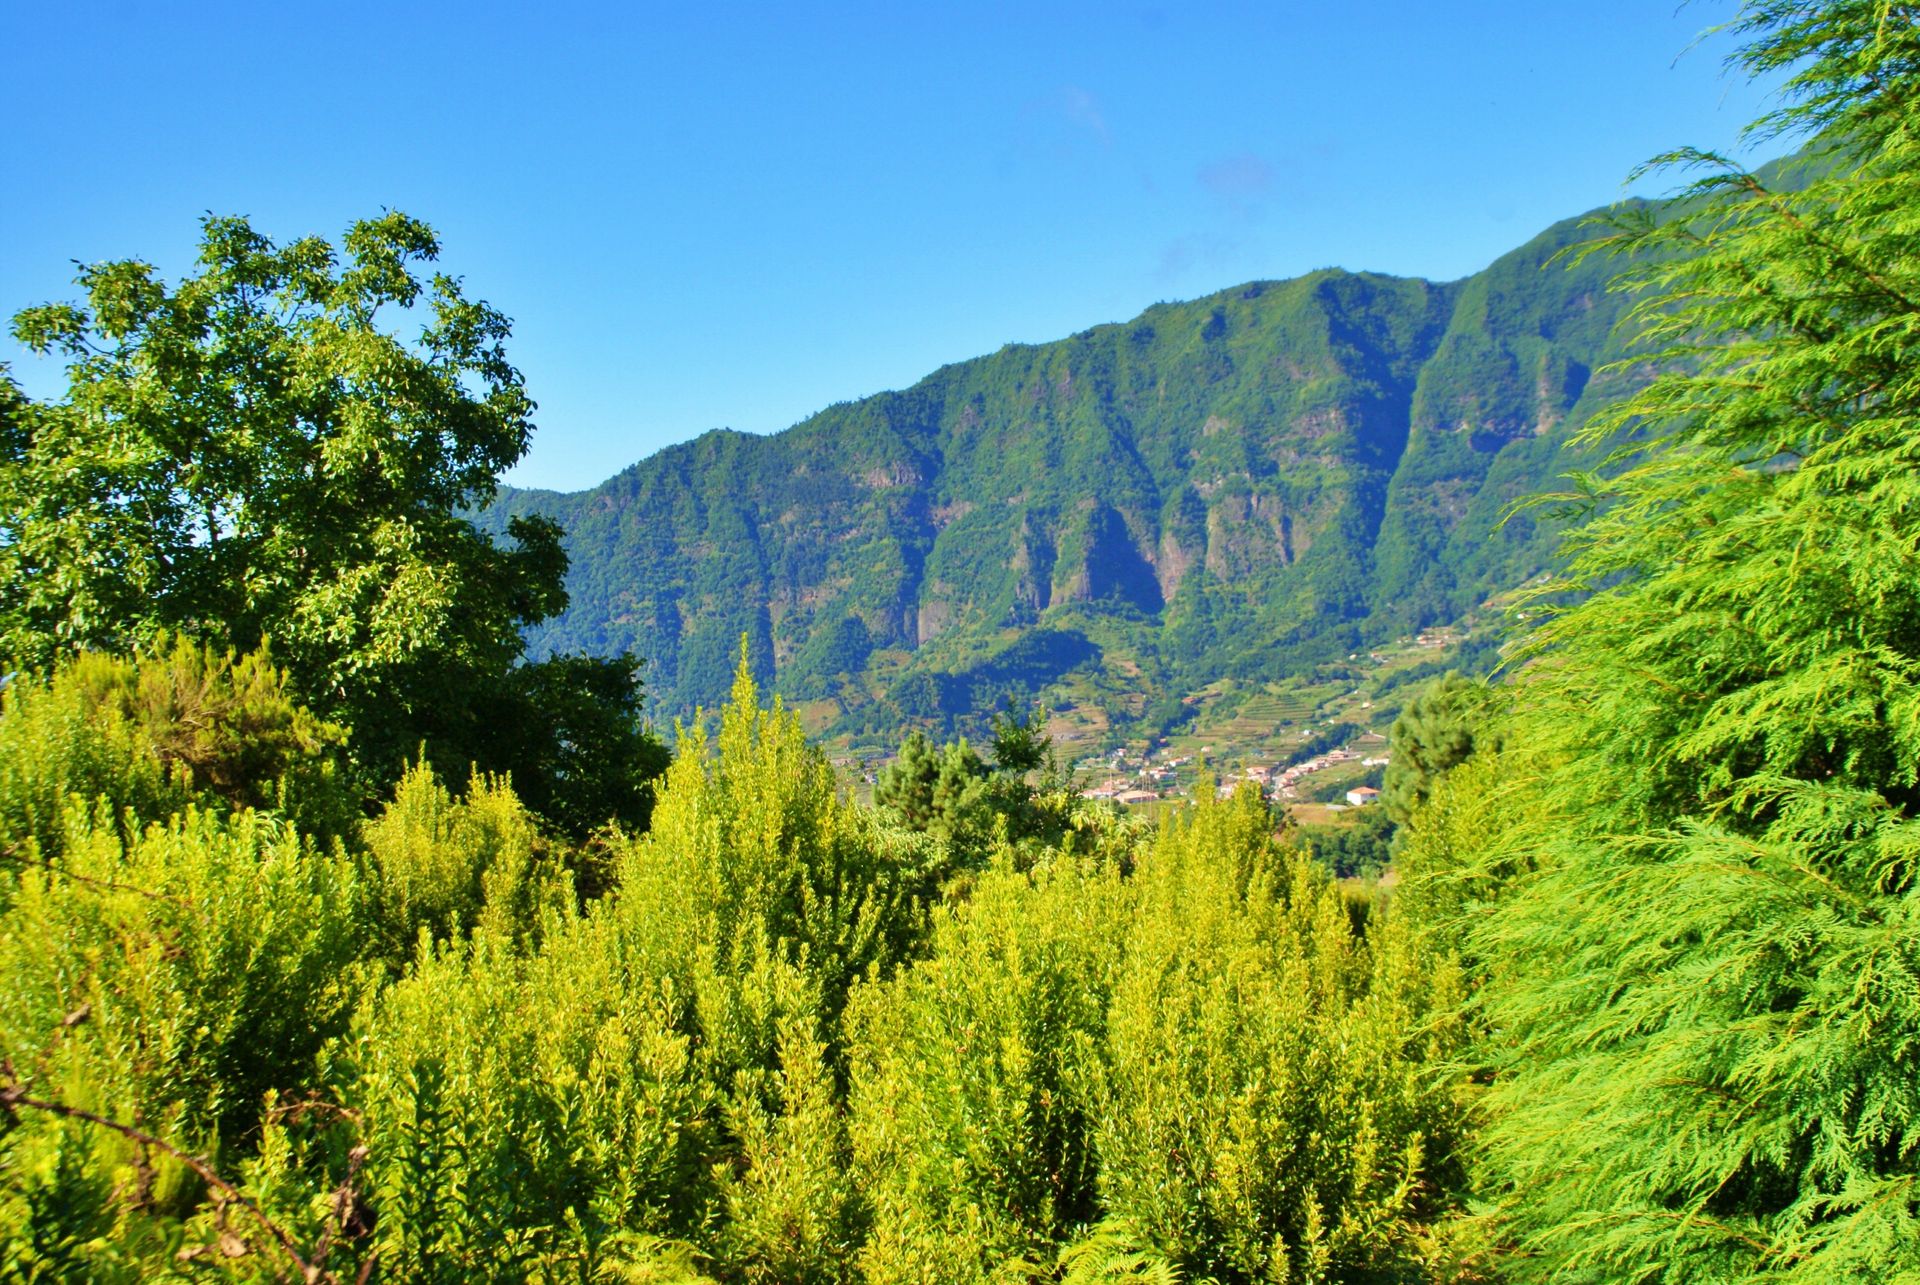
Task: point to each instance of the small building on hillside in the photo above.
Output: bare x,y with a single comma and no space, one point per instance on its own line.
1362,796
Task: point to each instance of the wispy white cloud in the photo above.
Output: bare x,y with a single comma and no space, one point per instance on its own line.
1241,181
1081,108
1077,108
1187,254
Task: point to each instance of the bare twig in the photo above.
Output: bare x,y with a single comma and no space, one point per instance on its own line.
14,1096
12,853
346,1207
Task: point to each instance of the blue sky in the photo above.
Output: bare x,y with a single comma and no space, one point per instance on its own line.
718,214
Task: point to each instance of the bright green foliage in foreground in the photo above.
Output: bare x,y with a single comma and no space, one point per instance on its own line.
185,726
795,1041
1646,1006
1267,1107
1691,878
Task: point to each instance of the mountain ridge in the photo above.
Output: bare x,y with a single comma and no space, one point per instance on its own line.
1256,478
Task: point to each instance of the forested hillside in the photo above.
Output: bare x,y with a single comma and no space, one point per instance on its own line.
1637,1001
1225,487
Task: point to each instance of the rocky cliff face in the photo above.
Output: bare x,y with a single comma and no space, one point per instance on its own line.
1209,487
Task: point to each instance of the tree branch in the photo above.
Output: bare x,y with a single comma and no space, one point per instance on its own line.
13,1096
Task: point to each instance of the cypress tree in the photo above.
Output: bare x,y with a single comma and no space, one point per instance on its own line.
1704,997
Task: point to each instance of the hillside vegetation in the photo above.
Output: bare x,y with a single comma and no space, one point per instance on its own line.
1230,487
1638,999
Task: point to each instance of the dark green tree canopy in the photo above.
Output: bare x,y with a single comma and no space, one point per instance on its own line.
942,789
257,455
1020,741
1436,732
568,731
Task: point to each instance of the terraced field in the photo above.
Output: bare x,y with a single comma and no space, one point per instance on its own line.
1234,722
1291,707
1260,716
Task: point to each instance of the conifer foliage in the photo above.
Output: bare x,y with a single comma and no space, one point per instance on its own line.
1705,994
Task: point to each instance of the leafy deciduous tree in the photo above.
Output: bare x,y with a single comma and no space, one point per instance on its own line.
251,457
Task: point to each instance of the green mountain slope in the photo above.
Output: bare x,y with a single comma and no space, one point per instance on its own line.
1241,483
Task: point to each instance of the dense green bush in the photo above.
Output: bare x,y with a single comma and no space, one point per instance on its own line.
780,1046
970,1137
1269,1107
148,735
1360,848
175,981
441,866
520,1112
1200,1064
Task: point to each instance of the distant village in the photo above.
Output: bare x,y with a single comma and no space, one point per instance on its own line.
1137,778
1152,773
1149,775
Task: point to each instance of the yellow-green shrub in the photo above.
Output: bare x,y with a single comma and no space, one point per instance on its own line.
520,1110
149,734
444,865
971,1138
171,981
752,853
58,741
1272,1104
